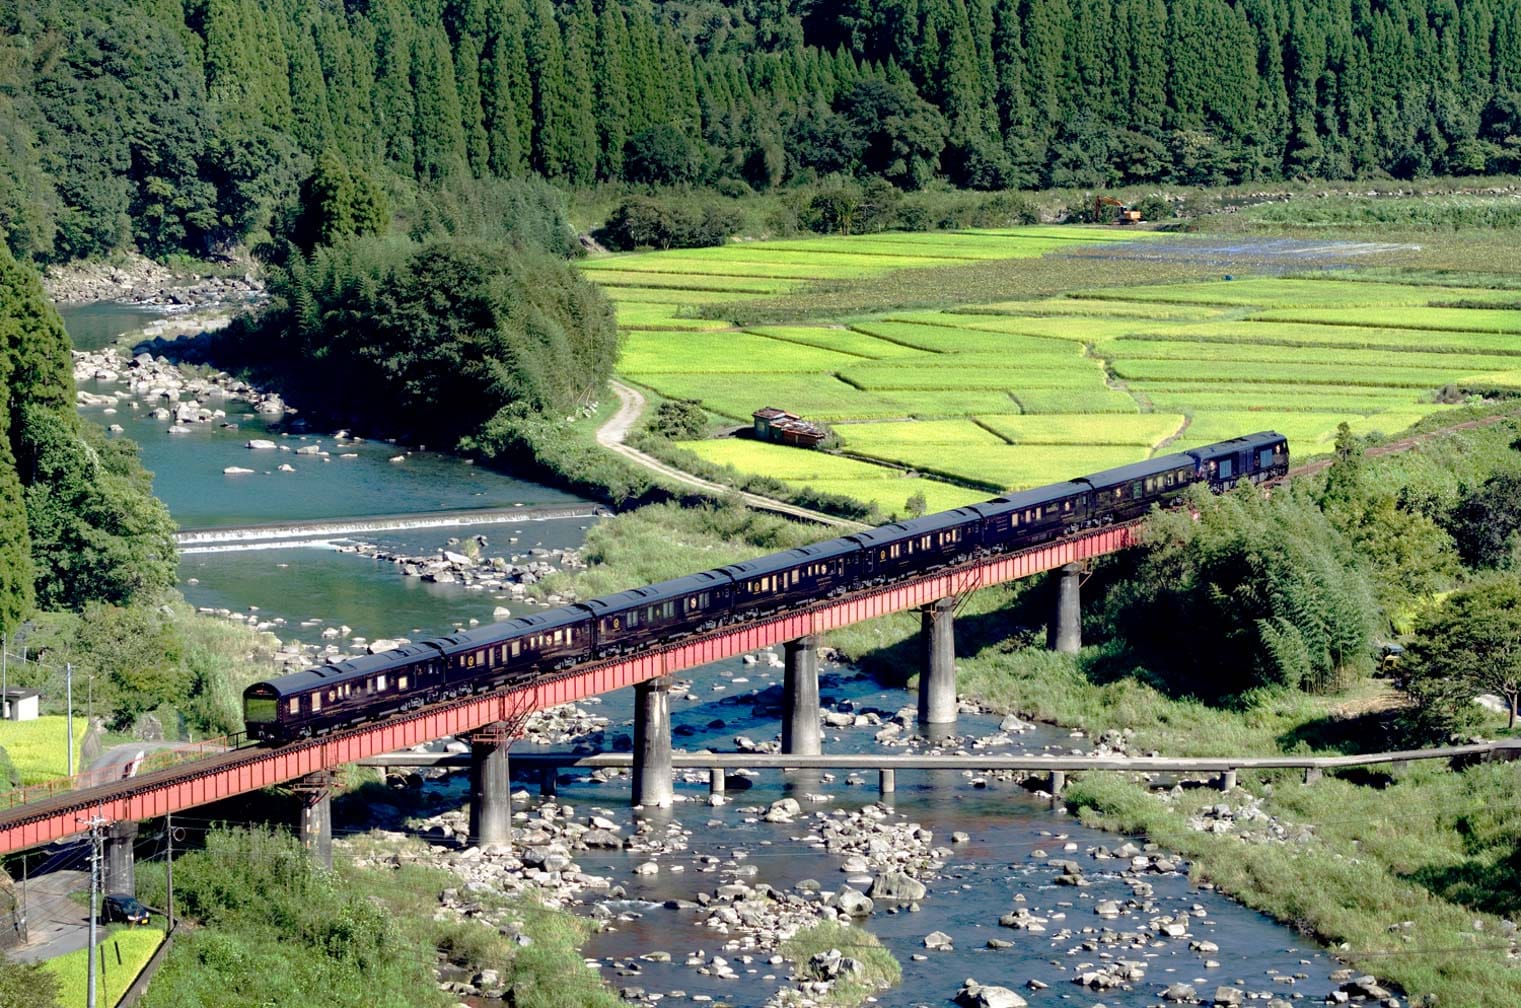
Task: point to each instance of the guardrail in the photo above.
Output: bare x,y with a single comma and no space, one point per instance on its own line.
158,759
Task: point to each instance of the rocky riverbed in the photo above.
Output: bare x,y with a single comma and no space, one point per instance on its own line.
138,280
986,895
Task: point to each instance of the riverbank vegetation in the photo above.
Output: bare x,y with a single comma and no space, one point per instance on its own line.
430,340
851,957
279,930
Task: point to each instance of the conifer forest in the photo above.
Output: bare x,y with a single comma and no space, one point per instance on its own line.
179,127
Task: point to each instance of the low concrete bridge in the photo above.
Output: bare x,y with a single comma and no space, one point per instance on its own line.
235,537
887,766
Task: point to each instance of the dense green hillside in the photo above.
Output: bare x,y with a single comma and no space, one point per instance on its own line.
182,126
78,522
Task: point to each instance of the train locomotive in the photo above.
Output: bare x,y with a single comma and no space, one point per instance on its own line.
516,651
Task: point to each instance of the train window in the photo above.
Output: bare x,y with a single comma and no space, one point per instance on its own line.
559,637
1067,505
794,577
345,689
1227,468
380,683
1148,484
1265,458
1037,514
401,682
1014,520
1135,490
704,598
316,702
295,705
332,695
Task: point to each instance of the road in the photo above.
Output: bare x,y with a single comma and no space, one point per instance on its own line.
56,923
611,436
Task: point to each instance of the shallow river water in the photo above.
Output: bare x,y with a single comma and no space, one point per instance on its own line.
1012,833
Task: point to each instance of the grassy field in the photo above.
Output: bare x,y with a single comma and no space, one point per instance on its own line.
36,747
135,947
1031,381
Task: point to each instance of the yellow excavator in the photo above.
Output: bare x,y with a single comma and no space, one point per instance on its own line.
1126,216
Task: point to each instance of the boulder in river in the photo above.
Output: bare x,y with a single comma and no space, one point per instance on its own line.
853,902
896,887
260,444
975,995
236,471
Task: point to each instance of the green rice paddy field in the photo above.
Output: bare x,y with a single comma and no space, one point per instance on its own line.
1012,393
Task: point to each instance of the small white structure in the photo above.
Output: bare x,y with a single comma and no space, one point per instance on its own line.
19,705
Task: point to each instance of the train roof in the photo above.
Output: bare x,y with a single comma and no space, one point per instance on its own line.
1136,470
334,672
658,592
493,633
915,526
787,559
1247,442
1022,499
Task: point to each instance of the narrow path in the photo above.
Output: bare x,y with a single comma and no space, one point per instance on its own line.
611,436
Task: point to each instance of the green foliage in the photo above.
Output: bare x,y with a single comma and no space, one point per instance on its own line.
1256,592
1486,519
180,127
380,333
278,930
879,969
678,419
1407,555
338,202
651,222
86,515
528,213
28,985
1469,643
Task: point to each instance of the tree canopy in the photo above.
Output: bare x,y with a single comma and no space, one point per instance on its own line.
1468,644
433,339
78,522
182,127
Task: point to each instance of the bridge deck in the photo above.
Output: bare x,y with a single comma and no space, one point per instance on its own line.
988,761
252,768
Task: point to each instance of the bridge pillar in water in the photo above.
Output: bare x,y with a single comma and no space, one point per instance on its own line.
316,791
1065,633
652,743
937,675
121,863
490,787
801,734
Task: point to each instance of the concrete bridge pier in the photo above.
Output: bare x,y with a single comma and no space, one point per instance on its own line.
316,791
801,734
121,863
1065,632
490,787
937,675
652,743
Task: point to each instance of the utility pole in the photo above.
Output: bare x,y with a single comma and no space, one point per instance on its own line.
68,689
5,670
97,839
169,866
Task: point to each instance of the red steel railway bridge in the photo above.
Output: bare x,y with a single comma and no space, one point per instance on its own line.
47,813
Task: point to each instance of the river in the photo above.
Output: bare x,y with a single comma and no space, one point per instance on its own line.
1012,834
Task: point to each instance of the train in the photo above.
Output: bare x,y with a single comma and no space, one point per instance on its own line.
517,651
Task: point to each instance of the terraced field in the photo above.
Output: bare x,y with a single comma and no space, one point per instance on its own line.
953,404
